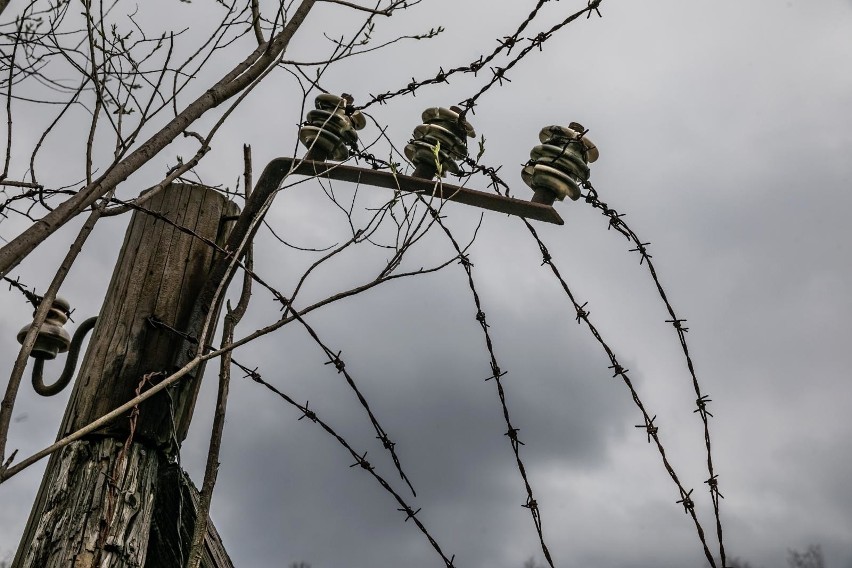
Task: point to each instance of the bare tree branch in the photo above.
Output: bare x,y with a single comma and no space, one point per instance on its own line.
231,84
255,22
232,318
385,12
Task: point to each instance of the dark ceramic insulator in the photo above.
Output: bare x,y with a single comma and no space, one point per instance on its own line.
559,166
329,130
52,337
439,142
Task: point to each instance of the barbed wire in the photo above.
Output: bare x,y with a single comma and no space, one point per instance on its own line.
582,315
360,459
497,78
495,181
287,306
619,371
498,73
497,374
334,358
30,295
616,221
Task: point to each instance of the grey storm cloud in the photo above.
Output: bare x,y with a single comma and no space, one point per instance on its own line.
725,130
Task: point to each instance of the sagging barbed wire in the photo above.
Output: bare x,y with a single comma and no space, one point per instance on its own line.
360,458
497,78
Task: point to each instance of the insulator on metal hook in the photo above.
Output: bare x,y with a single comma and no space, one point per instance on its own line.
439,142
329,130
559,165
52,337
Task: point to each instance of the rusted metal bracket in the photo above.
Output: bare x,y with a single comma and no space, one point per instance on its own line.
381,178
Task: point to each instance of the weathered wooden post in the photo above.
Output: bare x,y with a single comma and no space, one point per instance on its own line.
113,499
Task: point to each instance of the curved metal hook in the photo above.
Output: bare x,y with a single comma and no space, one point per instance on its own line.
70,362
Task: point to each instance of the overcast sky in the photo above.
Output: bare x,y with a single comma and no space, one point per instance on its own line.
725,132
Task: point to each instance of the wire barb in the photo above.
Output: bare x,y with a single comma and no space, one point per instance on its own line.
582,313
360,459
649,428
337,362
496,375
701,402
409,514
33,298
686,501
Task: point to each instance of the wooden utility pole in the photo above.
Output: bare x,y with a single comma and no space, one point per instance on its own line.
117,498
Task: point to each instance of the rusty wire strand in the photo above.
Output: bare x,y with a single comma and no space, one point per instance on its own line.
31,296
506,44
498,74
381,435
582,315
113,488
360,459
341,368
616,221
335,359
286,304
497,374
620,371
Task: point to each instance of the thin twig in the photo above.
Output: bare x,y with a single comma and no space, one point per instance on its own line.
232,83
255,22
619,371
99,102
9,101
232,318
385,12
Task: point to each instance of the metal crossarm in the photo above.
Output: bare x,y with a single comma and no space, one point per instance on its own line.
381,178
